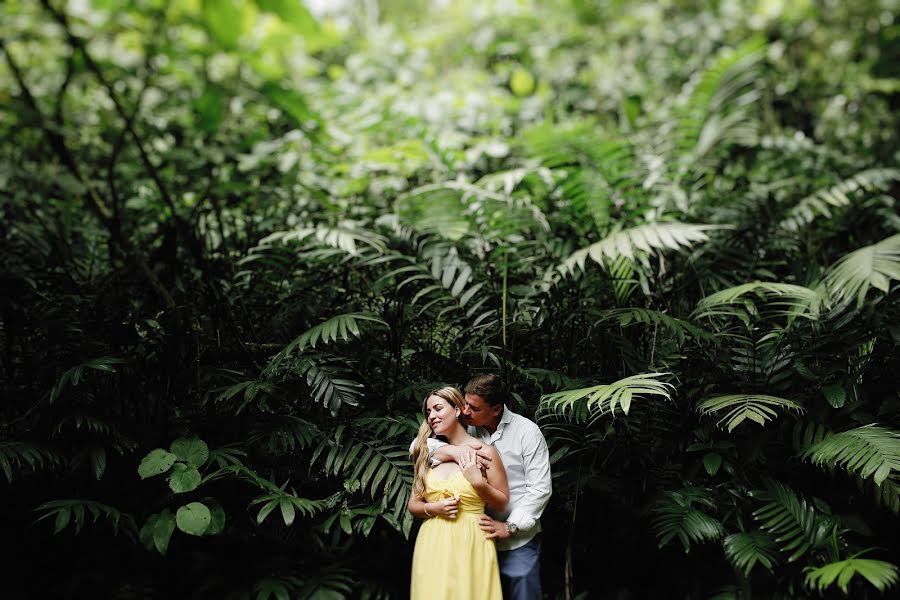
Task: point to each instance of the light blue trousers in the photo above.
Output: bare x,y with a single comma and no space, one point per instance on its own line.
520,571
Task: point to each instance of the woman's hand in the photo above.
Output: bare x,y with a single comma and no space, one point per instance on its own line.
471,469
446,508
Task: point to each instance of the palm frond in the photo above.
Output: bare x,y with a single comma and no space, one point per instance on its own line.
339,328
75,375
868,451
873,266
677,515
788,299
346,238
66,510
880,573
837,196
738,408
444,282
287,434
792,521
249,390
378,465
25,455
290,504
644,316
886,494
747,549
587,404
453,208
638,243
716,111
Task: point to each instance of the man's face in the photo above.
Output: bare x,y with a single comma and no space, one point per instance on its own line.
481,413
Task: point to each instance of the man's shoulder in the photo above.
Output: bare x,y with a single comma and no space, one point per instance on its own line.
524,425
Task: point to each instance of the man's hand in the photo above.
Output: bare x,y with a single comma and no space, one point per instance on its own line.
473,451
495,530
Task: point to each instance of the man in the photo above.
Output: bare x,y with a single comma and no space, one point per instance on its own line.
527,461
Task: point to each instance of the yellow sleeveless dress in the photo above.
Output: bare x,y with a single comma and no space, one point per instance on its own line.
452,560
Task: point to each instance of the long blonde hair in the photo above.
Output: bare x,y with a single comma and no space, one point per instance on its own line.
421,456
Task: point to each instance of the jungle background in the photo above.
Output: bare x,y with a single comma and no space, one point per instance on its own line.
241,239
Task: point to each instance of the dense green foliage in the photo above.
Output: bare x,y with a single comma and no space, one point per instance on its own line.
241,241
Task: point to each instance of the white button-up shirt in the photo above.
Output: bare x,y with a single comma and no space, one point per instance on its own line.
523,449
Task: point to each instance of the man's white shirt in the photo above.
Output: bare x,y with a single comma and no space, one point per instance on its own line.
523,449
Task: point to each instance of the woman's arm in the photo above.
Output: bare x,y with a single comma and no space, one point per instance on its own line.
491,485
423,510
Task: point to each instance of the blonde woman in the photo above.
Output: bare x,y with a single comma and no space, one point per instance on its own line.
452,557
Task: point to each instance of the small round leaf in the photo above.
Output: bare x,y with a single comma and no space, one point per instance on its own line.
156,462
193,518
184,479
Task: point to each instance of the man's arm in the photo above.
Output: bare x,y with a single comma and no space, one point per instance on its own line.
536,460
527,510
441,452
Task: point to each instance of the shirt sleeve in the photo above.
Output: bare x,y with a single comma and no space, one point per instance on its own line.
536,460
433,444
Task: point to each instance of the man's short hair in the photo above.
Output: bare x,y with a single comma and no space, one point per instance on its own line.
490,387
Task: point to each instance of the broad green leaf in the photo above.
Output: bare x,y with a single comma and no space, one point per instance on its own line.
835,395
193,451
193,518
224,20
210,108
293,13
158,461
162,531
712,462
292,103
217,517
184,478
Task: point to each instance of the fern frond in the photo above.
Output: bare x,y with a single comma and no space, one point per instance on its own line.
747,549
677,516
759,408
838,195
873,266
638,242
881,574
587,404
868,451
793,522
80,510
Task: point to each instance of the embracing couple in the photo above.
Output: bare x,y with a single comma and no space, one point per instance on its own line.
482,480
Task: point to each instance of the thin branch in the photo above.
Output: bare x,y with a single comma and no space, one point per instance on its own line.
58,144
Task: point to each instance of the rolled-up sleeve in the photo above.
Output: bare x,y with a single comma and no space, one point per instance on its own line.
527,510
433,445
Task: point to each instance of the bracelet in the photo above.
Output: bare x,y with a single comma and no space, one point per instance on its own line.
425,508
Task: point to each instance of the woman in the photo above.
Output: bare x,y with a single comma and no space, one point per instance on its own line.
452,558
